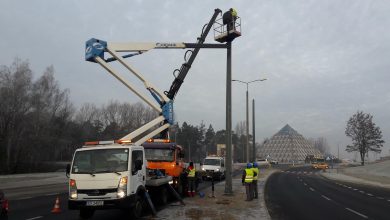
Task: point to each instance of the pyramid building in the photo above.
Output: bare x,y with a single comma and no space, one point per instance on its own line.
286,146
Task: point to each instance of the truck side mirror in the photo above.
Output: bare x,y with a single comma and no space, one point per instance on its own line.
67,170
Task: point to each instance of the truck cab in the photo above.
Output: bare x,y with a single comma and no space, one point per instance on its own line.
167,157
105,177
214,167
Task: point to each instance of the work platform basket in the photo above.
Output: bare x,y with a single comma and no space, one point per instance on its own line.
222,35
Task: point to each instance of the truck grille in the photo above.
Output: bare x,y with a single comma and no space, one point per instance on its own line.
96,192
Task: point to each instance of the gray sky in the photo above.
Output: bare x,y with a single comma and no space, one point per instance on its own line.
324,60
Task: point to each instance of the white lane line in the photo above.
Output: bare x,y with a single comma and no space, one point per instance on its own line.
35,218
378,197
24,198
357,213
349,187
311,189
325,197
369,194
361,191
388,200
355,189
305,184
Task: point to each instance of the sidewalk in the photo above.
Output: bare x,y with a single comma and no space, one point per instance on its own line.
221,207
363,178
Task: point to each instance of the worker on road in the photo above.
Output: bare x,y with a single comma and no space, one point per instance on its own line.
247,179
229,19
255,169
191,172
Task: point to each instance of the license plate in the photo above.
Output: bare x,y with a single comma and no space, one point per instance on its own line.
95,203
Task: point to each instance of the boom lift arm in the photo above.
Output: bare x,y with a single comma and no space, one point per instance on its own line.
96,49
185,67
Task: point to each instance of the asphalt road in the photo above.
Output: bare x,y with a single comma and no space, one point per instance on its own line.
301,193
37,203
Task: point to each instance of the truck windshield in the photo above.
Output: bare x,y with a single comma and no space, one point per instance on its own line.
159,154
214,162
101,161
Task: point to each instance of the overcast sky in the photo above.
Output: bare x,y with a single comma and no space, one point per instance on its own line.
324,60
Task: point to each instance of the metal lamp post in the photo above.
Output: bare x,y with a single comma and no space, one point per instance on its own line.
247,113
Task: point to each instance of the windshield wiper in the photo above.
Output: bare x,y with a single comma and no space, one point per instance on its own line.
110,171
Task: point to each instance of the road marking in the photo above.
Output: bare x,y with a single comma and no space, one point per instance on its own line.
325,197
369,194
35,218
361,191
378,197
388,200
355,189
305,184
357,213
349,187
24,198
304,172
311,189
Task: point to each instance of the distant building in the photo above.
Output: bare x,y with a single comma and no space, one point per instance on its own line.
286,146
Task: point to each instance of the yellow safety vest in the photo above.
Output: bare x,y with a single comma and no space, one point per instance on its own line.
234,13
255,170
191,173
248,175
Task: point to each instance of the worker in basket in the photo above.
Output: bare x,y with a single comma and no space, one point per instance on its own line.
229,19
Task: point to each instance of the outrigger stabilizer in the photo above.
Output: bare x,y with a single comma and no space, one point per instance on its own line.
97,49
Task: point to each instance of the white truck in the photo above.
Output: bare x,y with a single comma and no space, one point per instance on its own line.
109,175
214,167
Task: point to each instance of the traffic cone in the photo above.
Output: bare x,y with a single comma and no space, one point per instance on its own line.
56,208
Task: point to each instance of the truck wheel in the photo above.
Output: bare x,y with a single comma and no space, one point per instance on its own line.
138,208
86,213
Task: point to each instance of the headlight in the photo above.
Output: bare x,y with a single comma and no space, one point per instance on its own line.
217,169
121,193
72,189
170,182
122,187
203,169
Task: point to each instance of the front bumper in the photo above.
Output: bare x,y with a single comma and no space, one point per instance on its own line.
124,203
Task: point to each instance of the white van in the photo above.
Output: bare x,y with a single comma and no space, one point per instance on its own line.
214,167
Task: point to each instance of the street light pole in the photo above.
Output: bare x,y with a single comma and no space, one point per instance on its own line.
247,125
253,131
247,115
228,162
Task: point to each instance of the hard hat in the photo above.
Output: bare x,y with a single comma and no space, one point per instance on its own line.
254,164
249,165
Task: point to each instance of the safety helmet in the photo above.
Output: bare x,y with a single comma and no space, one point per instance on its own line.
254,164
248,165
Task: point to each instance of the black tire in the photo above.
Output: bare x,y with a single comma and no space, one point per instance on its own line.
138,208
86,213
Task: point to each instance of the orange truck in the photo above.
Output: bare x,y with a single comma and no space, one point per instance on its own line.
166,157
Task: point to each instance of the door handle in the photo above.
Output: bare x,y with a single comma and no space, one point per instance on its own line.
143,178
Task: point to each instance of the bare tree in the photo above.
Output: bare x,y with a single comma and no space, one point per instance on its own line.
15,84
321,144
365,135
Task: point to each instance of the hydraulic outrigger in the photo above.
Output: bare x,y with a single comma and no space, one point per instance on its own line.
95,52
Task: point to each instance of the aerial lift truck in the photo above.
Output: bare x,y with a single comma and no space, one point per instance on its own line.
114,174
